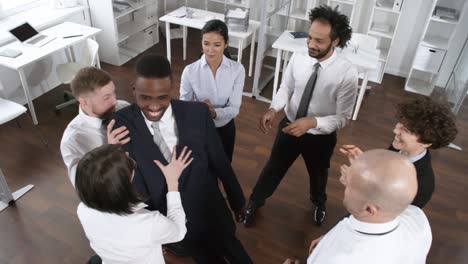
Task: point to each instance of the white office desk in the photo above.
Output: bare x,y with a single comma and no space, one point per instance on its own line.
199,19
33,54
364,60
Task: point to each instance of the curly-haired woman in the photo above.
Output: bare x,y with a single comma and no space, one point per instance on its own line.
423,124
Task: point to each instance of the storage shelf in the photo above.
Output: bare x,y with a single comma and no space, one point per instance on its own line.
122,38
383,56
435,42
386,9
130,28
442,20
419,86
134,6
380,34
296,13
343,2
235,3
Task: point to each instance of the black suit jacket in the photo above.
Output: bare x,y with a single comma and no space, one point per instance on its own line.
202,200
426,181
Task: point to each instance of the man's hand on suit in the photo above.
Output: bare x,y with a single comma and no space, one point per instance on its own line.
118,136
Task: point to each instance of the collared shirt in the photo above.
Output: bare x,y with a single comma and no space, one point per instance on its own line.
167,126
417,157
223,90
334,93
134,238
406,239
83,134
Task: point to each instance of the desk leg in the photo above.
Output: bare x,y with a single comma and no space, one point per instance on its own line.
239,50
285,61
184,38
6,196
361,96
98,62
277,70
252,49
168,41
24,83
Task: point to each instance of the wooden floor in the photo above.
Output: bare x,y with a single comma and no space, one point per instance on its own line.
42,227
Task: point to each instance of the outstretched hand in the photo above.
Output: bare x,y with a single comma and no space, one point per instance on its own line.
351,152
173,170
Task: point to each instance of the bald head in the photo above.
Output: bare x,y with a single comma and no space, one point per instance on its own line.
383,179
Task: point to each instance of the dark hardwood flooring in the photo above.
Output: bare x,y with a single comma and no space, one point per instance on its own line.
42,227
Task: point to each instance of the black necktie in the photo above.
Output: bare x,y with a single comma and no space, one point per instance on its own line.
307,95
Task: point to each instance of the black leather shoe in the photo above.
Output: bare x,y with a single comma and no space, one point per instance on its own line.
250,212
319,214
177,249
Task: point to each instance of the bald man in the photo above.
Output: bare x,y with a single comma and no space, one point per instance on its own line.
383,227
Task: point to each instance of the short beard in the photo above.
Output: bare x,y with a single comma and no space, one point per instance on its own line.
322,54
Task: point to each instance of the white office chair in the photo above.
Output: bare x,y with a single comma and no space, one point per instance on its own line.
361,42
8,111
67,71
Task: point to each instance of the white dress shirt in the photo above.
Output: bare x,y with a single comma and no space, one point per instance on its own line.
334,93
407,239
83,134
168,128
134,238
223,90
417,157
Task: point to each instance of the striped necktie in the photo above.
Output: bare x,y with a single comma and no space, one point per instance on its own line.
159,140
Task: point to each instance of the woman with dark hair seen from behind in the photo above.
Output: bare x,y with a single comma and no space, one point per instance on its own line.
423,124
112,213
216,80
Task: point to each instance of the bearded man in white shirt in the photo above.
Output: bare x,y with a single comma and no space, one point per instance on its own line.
95,92
317,93
383,227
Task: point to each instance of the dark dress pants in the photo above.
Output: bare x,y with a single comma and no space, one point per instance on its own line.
227,134
316,151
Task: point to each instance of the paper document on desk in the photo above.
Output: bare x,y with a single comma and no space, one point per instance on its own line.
181,12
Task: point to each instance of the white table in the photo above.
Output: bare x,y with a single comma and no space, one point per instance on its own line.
364,60
199,19
33,54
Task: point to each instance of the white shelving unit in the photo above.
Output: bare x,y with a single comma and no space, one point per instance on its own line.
127,33
384,21
228,3
433,45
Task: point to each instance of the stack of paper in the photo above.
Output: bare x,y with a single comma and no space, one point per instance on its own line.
237,20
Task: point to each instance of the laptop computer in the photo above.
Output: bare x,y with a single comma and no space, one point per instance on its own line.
26,34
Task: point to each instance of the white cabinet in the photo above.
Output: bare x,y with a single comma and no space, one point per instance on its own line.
126,32
441,21
384,21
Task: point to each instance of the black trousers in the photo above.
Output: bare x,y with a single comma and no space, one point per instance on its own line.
316,151
227,134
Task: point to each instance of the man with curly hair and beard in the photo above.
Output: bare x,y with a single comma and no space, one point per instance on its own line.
318,92
423,124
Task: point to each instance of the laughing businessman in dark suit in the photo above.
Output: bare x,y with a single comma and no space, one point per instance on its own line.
157,124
